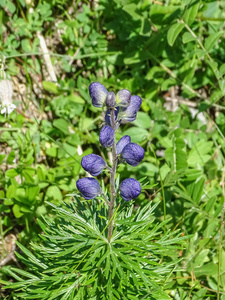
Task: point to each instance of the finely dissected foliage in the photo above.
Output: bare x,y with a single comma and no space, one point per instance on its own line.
75,260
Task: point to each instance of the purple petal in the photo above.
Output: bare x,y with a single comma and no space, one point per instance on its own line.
110,100
93,164
130,189
98,94
106,136
123,98
133,154
130,114
122,143
89,187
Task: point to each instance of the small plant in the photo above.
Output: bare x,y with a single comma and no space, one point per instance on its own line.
103,248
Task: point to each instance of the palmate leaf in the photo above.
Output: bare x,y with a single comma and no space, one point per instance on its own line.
75,260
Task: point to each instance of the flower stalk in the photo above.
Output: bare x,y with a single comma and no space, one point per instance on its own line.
112,176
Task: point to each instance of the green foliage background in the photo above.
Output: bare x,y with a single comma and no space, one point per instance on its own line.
171,53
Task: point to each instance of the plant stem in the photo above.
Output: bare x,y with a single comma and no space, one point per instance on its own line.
221,237
112,176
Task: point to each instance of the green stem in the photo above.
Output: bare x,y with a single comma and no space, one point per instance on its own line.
112,176
2,236
220,241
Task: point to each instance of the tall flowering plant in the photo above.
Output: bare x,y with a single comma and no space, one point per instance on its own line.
95,251
121,108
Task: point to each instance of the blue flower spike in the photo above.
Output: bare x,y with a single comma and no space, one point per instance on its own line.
130,114
98,94
89,187
93,164
122,143
110,100
106,136
130,189
133,154
123,98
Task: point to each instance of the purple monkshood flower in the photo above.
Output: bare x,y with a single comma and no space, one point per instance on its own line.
93,164
100,96
133,154
107,115
89,187
122,143
106,136
130,189
130,113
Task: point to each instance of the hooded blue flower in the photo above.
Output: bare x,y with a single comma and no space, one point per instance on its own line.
110,100
123,98
107,115
133,154
93,164
106,136
130,189
89,187
122,143
130,113
98,94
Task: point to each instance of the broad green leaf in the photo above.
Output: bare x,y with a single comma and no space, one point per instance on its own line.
51,87
209,269
198,190
53,193
52,151
137,134
131,10
11,173
168,83
143,120
212,39
11,157
26,45
188,37
16,211
222,69
62,125
173,33
11,7
32,193
200,53
11,191
191,13
76,98
199,154
177,158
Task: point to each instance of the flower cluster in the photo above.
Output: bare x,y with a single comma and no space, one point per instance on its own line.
121,108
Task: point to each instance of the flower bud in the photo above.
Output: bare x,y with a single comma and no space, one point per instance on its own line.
89,187
122,143
130,114
130,189
98,94
107,115
93,164
110,100
106,136
133,154
123,98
